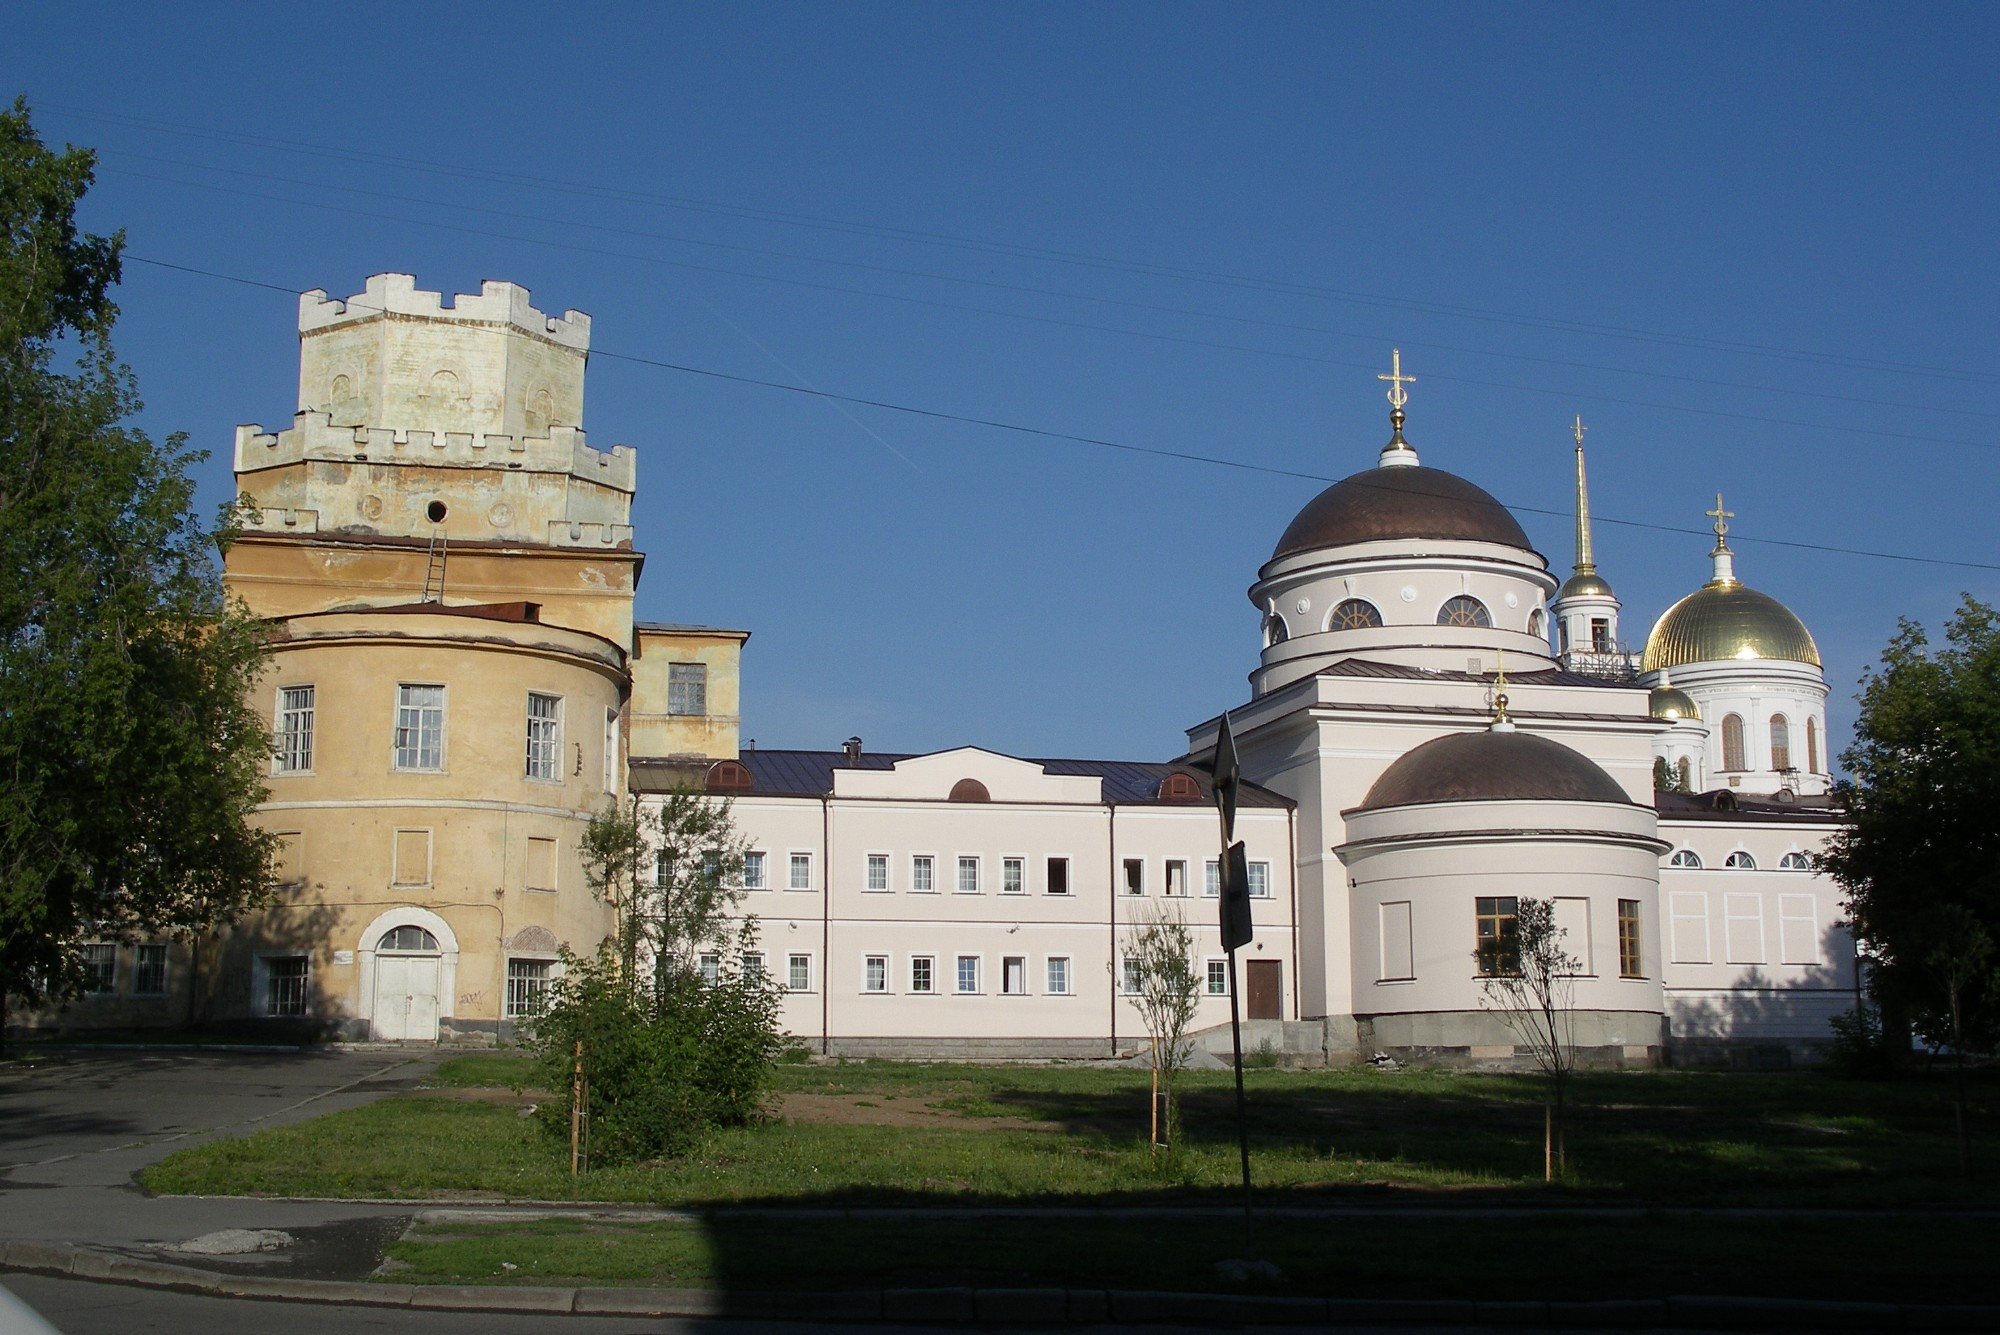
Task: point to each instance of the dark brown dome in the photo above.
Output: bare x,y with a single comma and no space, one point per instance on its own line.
1400,503
1492,766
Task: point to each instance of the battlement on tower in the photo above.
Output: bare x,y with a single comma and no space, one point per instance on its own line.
397,294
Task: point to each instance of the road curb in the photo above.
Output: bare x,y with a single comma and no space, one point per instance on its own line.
1008,1305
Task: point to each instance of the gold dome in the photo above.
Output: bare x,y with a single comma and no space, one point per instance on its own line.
1673,704
1585,583
1725,620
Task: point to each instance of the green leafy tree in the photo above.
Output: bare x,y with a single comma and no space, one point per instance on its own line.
130,759
675,1021
1921,846
1160,952
1529,980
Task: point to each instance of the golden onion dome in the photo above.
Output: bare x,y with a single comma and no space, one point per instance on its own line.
1585,584
1725,620
1673,705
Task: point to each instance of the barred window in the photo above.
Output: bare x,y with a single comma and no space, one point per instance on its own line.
527,986
419,727
544,736
285,984
295,729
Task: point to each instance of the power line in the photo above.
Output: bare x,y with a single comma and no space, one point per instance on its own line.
1046,433
1081,259
1565,394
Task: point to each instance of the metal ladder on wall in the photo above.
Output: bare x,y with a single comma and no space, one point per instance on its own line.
434,568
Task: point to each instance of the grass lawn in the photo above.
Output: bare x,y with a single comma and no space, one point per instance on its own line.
878,1133
1928,1261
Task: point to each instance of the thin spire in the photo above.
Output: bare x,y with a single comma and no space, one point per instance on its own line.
1500,723
1586,564
1397,453
1725,560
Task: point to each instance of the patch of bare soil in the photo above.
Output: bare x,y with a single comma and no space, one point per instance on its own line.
890,1110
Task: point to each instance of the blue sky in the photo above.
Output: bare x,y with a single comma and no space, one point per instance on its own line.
1751,245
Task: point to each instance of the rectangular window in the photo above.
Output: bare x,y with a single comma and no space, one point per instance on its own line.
752,962
1058,975
419,727
1131,976
610,750
1496,940
1135,876
100,968
920,973
1176,878
150,980
875,973
527,984
285,984
1218,978
541,864
663,867
799,973
1743,928
968,973
1260,880
968,876
921,880
412,855
687,689
1398,957
1798,930
544,737
1013,876
1211,879
1630,962
1690,927
878,871
1014,975
802,872
1058,876
753,872
710,965
711,869
295,730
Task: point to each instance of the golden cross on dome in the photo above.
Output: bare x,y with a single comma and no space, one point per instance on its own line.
1718,514
1398,396
1580,429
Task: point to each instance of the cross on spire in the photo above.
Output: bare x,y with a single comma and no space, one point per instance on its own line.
1718,514
1580,429
1398,396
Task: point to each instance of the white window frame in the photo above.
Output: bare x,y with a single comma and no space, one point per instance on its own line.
1067,892
1014,875
1741,859
1215,978
678,692
795,962
544,752
1176,885
1057,976
1129,975
871,864
525,991
1795,861
709,965
1211,879
1009,964
958,975
1260,876
1128,888
1687,859
794,858
966,882
753,964
871,984
418,712
923,873
756,872
292,735
929,965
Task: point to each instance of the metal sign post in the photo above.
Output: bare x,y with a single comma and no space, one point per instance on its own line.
1237,930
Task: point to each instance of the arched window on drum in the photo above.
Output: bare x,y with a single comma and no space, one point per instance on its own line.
1781,742
1464,610
1812,745
1732,742
1354,614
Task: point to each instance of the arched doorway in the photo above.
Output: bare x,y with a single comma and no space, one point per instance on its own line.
410,964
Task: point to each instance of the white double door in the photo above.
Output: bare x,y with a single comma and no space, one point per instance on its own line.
406,997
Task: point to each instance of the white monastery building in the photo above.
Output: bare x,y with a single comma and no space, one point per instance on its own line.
1436,727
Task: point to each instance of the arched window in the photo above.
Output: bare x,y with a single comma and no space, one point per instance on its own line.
1685,857
1354,614
1740,861
728,776
1180,787
1464,610
407,939
1795,862
1812,745
1781,742
1732,742
969,790
1686,770
1274,630
1535,622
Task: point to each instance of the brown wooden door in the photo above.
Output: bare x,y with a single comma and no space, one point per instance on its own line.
1264,985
